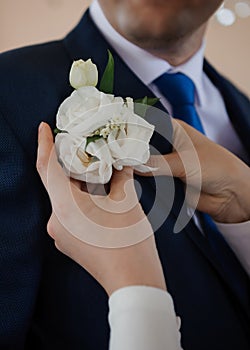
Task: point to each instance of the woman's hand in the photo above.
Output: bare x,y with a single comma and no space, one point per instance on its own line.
225,179
109,235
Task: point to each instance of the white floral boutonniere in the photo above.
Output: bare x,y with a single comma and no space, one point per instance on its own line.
97,131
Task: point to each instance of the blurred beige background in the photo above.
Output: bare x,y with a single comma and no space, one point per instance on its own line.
24,22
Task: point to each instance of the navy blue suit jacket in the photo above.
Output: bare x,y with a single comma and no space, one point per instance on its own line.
46,300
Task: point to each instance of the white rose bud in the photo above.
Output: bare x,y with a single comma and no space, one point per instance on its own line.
83,73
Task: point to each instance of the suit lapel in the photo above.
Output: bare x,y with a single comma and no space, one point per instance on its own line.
85,41
237,105
93,45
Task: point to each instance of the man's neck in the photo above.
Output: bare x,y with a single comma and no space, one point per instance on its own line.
182,50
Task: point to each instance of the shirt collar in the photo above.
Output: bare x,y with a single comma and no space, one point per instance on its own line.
145,65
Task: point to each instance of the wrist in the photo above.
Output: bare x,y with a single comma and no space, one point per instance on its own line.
138,264
146,273
236,208
135,281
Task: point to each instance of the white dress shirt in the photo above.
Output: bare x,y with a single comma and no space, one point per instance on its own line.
143,317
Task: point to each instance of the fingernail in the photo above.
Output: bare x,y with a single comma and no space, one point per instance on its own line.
41,127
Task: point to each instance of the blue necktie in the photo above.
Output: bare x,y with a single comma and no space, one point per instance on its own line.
179,90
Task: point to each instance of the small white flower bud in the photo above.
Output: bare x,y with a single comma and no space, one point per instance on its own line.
83,73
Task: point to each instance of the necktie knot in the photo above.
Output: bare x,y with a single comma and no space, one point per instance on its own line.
178,88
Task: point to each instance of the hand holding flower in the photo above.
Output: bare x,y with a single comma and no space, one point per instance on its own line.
77,213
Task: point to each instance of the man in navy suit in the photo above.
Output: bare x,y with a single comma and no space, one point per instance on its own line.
46,300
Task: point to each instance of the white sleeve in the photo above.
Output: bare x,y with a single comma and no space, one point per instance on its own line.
143,318
238,237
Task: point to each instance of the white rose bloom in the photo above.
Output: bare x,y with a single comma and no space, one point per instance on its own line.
86,110
124,142
72,156
83,73
67,147
131,146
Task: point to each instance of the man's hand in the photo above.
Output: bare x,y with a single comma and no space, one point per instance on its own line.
225,179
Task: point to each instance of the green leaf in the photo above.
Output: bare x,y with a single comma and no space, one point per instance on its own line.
142,104
107,81
92,139
58,131
140,109
149,101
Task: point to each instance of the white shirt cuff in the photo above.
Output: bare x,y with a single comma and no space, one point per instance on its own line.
143,317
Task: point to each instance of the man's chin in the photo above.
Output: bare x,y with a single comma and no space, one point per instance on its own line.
153,37
157,43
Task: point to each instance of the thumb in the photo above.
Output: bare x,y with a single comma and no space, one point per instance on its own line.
121,184
52,175
45,148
